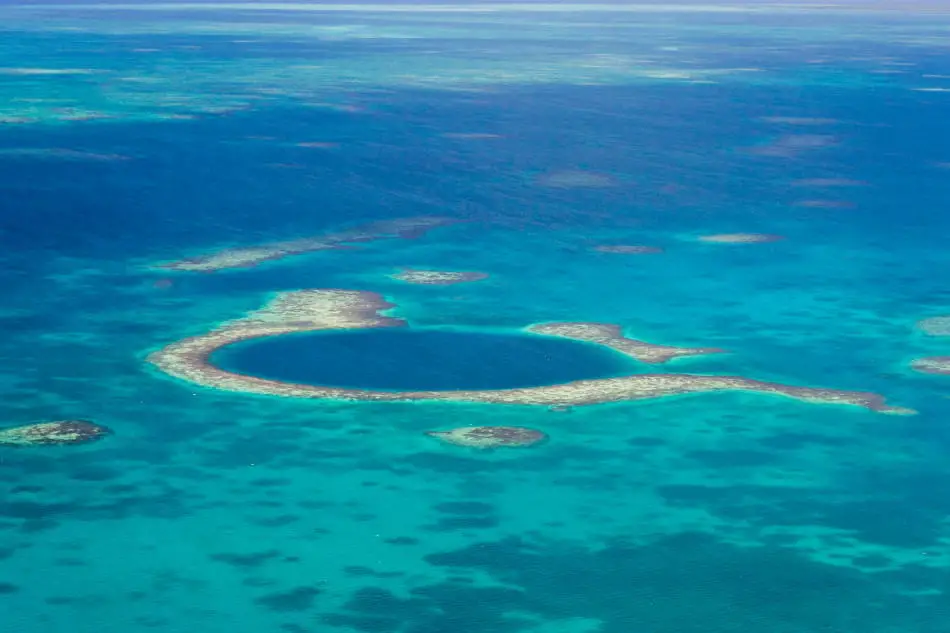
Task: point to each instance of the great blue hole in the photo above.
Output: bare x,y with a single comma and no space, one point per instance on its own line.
408,359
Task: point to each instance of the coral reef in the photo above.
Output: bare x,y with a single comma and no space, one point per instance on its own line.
471,135
610,335
825,204
576,179
314,310
490,436
932,365
828,182
935,326
739,238
247,256
627,249
438,277
52,433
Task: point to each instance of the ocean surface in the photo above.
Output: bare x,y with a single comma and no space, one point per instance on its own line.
393,360
134,137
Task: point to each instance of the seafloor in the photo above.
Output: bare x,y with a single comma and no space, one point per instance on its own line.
131,138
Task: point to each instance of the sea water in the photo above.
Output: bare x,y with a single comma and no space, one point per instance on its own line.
135,138
421,360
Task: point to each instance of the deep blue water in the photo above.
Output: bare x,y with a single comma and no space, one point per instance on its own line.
420,360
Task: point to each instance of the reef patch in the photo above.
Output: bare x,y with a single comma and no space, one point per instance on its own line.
576,179
932,365
611,336
739,238
316,310
60,432
628,249
935,326
490,436
248,256
438,277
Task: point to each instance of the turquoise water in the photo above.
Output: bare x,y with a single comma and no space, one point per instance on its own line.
228,513
423,360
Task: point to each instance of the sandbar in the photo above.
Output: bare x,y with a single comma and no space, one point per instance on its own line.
324,310
248,256
438,277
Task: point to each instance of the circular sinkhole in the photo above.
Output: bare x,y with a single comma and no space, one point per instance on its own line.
420,360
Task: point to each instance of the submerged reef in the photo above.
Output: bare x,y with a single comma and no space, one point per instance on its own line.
471,136
828,182
321,310
932,365
825,204
627,249
59,153
438,277
490,436
576,179
610,335
247,256
739,238
935,326
53,433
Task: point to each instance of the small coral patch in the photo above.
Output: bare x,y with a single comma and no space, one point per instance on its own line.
628,249
60,432
438,277
935,326
740,238
932,365
490,436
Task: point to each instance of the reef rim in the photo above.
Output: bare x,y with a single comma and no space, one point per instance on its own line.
334,309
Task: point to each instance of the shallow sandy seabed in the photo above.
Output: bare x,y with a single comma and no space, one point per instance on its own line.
321,310
490,436
739,238
438,277
248,256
